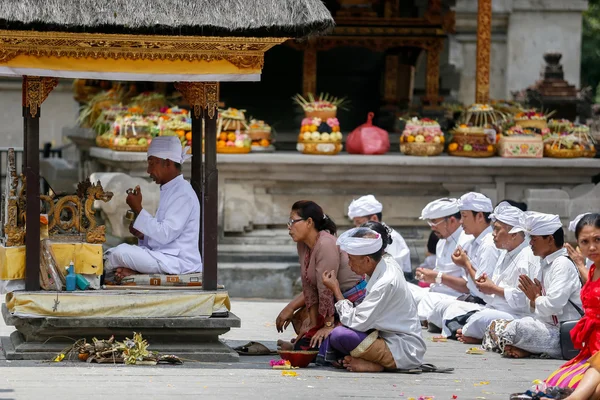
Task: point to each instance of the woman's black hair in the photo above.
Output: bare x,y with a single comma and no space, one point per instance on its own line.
386,237
587,220
309,209
432,242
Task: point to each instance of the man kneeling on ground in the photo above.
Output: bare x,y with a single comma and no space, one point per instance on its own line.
168,241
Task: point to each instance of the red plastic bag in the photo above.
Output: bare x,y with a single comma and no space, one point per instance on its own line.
368,139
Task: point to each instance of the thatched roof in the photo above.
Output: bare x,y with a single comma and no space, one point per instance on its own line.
274,18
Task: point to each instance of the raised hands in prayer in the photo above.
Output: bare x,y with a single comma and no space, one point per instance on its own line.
532,289
485,285
134,199
426,275
460,257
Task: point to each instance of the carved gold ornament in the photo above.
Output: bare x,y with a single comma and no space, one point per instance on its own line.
36,91
201,96
243,52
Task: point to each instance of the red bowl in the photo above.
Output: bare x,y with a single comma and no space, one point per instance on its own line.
298,358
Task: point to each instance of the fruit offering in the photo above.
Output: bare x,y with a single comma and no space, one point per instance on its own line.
582,132
476,135
232,135
131,133
324,107
260,135
422,137
319,136
565,146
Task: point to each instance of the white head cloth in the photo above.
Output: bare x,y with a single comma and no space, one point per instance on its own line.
168,148
507,214
360,246
440,208
363,206
573,224
538,224
474,201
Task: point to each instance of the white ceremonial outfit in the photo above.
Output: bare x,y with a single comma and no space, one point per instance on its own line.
483,254
438,292
539,333
514,304
399,251
170,244
389,308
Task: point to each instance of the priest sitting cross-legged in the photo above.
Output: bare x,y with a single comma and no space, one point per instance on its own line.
167,241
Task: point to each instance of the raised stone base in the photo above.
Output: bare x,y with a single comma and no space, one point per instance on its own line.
190,338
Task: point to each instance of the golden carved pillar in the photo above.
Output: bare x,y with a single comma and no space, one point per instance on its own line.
309,70
484,42
432,91
390,94
35,90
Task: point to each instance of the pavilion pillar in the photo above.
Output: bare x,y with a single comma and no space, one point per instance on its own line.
432,90
309,70
484,42
35,90
204,100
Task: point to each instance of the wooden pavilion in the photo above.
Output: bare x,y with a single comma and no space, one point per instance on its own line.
196,44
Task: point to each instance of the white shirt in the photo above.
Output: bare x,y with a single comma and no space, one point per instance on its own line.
172,236
444,263
483,254
399,251
510,265
390,308
560,283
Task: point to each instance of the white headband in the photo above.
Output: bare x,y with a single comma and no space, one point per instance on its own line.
507,214
364,206
168,148
537,224
573,224
360,246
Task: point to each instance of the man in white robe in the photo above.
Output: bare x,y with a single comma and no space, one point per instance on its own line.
443,216
551,301
500,291
477,258
382,332
367,208
168,241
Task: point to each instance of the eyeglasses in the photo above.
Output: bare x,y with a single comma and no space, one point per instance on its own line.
434,224
293,221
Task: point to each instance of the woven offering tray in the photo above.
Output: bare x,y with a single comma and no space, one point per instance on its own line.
233,150
422,149
131,148
309,147
563,153
472,154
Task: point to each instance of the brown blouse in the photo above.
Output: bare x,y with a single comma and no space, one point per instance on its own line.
325,256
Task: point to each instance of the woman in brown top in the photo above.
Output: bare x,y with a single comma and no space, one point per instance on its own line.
312,311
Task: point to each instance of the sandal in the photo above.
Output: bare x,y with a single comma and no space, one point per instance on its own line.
433,368
254,349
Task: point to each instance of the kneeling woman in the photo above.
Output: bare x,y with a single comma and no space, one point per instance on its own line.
382,332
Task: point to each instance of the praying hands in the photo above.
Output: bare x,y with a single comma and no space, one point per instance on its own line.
460,257
532,289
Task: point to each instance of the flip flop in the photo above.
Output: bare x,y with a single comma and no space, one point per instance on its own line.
254,349
433,368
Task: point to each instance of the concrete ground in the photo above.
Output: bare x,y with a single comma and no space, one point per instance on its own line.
486,376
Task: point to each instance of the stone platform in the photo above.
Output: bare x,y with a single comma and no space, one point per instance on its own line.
43,331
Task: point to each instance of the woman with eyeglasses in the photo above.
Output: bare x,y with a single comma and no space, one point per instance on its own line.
312,311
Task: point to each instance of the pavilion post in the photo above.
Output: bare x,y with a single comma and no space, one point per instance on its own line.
35,91
211,187
203,99
484,42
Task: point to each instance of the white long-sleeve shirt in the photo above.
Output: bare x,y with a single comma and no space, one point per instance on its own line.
399,251
560,283
444,263
483,254
510,265
172,235
390,308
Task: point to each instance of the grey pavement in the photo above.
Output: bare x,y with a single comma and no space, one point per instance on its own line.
486,376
